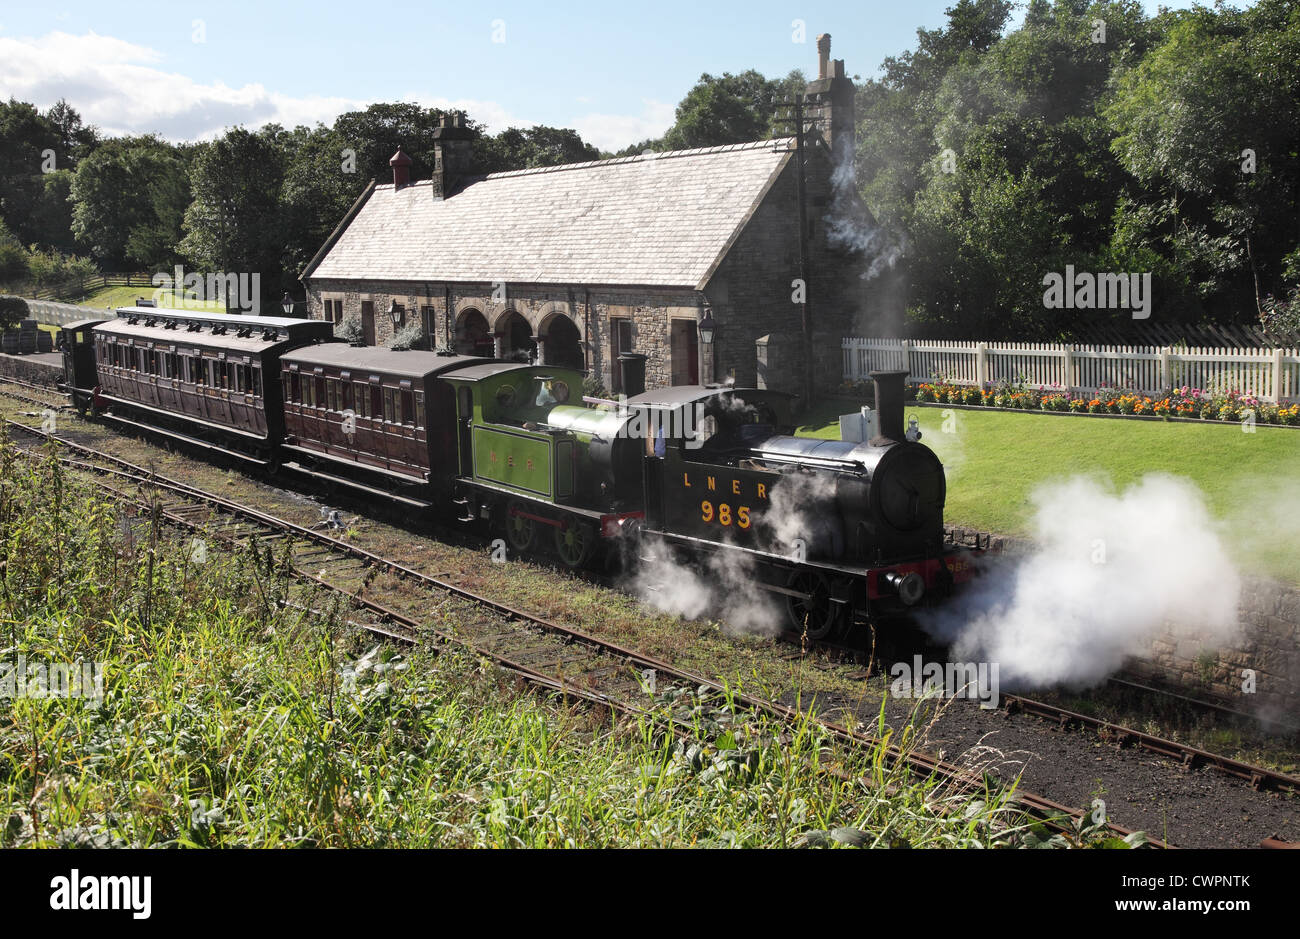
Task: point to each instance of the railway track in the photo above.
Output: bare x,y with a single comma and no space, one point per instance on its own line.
541,651
1189,757
16,388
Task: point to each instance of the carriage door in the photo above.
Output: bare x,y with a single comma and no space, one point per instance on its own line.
465,420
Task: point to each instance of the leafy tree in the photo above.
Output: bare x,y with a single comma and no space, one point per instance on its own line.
517,148
25,135
234,224
128,198
730,109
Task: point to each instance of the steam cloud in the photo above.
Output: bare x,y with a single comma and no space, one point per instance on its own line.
725,584
1109,572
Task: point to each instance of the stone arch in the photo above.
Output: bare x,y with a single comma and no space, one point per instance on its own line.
473,334
514,335
562,340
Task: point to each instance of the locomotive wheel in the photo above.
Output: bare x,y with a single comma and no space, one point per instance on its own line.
520,531
575,544
815,615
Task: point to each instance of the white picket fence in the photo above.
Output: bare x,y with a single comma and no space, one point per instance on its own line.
54,313
1269,374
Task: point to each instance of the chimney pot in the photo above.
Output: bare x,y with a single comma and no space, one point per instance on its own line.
823,55
401,164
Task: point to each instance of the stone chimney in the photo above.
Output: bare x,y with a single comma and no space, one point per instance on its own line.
453,154
401,164
831,100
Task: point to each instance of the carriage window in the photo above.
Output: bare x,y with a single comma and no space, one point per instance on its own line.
257,382
346,391
419,409
362,399
408,408
390,406
332,394
466,405
376,401
164,366
212,367
294,390
309,393
319,397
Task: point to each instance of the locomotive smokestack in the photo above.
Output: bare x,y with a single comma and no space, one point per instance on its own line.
890,387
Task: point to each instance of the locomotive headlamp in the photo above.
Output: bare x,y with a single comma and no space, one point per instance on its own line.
909,586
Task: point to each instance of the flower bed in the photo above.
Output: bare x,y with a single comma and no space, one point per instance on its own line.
1185,403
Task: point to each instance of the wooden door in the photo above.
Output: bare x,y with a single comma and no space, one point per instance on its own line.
368,322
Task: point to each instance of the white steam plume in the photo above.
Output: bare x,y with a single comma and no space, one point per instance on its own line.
1108,573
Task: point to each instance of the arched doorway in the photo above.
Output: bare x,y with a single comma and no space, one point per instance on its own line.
473,335
563,343
516,338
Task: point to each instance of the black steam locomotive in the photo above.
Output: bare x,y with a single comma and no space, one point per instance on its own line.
840,531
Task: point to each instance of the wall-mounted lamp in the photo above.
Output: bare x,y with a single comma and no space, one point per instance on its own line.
707,327
286,304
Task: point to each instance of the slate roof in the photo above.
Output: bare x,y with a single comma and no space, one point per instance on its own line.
658,220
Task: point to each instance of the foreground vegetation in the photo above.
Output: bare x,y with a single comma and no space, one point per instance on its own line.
230,718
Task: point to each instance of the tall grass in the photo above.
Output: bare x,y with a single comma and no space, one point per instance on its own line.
231,718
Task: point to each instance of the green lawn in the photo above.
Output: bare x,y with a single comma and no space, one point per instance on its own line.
996,459
127,296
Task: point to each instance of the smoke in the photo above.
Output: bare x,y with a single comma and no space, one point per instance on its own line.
721,585
849,226
1109,572
725,584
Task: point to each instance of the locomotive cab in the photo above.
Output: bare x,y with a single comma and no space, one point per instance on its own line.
80,376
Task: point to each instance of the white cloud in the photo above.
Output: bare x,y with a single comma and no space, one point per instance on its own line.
117,86
615,131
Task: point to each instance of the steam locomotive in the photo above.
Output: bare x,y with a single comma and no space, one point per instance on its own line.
838,531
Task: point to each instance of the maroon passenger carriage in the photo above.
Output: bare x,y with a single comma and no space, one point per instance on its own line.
209,378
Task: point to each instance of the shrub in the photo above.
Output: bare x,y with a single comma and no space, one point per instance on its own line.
408,337
12,310
351,331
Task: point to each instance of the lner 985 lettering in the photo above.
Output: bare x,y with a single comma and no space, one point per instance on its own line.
723,515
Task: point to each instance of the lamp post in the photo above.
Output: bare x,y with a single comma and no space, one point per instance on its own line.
286,304
708,328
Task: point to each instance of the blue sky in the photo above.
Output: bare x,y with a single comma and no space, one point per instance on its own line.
614,71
